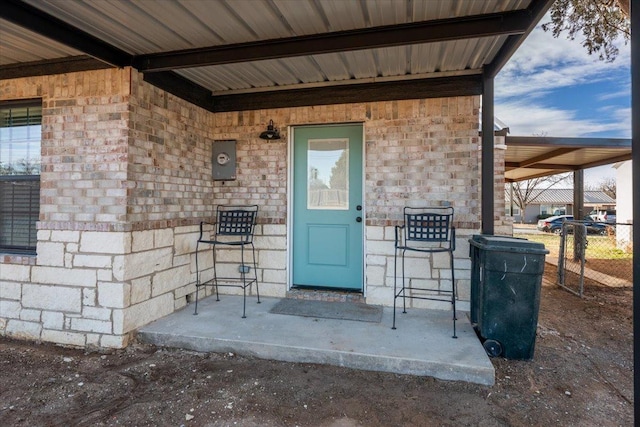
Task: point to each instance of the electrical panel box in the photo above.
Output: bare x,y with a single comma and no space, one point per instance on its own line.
224,160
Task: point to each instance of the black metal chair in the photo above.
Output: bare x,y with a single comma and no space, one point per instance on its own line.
234,226
428,230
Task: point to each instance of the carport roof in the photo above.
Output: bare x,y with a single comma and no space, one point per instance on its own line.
532,156
253,54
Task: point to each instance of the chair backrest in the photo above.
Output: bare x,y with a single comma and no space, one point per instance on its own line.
236,220
430,224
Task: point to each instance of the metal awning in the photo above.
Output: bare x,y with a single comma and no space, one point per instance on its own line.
531,156
221,54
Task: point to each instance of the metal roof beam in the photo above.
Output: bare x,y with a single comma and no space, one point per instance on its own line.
558,142
181,87
609,161
35,20
344,94
495,24
51,66
538,175
560,167
535,12
547,156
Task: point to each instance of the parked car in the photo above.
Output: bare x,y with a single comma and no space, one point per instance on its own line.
553,224
599,228
608,216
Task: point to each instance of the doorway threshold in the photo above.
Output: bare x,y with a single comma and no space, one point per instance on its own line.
325,294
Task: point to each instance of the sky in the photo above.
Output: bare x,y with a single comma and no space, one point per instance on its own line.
553,87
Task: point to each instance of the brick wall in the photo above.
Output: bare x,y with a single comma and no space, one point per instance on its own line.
85,122
127,178
169,162
70,292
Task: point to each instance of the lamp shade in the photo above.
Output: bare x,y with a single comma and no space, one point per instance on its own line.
271,132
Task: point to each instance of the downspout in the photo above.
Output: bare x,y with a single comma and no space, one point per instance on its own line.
487,170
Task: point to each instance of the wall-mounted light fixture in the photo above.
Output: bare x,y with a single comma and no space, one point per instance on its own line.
271,132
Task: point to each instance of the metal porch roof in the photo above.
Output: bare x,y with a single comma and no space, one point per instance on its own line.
219,53
531,157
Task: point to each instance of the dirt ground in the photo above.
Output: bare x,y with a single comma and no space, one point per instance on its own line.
581,375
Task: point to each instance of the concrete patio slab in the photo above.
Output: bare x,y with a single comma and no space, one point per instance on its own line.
421,345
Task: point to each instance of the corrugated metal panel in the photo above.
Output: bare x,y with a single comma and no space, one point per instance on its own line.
565,195
343,15
276,72
441,9
332,66
302,17
386,62
148,26
362,64
392,61
19,45
388,12
306,69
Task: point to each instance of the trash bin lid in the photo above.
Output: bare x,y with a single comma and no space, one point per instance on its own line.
507,244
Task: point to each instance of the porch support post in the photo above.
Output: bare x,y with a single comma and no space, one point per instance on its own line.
578,194
511,200
635,172
578,209
487,154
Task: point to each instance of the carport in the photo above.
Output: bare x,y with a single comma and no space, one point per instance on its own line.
529,157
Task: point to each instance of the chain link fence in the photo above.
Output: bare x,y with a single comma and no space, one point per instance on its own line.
595,251
587,252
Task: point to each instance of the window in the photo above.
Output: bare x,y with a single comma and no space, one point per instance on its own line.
20,136
511,210
553,209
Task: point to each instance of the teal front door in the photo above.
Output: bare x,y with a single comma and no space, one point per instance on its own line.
328,216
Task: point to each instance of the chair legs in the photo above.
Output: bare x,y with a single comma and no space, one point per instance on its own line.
243,275
243,282
395,287
197,279
402,291
453,294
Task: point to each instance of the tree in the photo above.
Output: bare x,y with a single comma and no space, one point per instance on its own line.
608,186
526,192
600,22
338,179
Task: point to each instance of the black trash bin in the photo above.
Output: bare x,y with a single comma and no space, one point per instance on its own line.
506,274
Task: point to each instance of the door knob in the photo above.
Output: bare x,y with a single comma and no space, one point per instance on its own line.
359,219
358,208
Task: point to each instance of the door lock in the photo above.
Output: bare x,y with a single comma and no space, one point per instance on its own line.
359,219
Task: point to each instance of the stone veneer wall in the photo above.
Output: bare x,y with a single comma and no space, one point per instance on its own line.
127,178
71,292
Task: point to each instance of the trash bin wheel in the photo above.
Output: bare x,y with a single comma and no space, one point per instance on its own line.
493,348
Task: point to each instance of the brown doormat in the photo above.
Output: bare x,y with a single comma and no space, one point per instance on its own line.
329,310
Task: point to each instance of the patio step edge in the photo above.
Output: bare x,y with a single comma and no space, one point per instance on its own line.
366,362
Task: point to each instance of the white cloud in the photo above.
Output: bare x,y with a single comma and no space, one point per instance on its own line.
623,92
543,64
541,50
525,118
